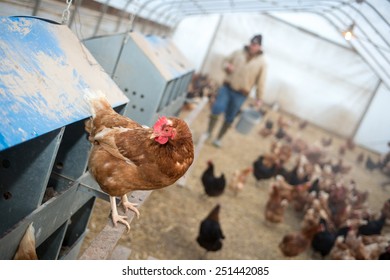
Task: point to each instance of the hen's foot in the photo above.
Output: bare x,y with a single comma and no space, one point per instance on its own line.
129,206
116,218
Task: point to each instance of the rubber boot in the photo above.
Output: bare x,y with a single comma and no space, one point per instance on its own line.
212,122
224,128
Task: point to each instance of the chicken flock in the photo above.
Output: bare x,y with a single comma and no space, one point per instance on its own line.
337,222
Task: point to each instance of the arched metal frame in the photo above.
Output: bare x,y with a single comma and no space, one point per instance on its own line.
372,44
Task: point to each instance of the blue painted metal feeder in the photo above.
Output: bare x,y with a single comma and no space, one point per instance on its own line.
44,70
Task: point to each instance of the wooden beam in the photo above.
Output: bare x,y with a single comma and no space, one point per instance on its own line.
103,245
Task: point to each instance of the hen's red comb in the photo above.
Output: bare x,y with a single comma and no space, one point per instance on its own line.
160,122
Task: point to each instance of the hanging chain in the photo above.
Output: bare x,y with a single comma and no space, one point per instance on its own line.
131,21
66,12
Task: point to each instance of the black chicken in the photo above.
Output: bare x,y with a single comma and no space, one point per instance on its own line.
213,186
360,158
302,124
269,124
280,134
326,142
315,187
293,177
385,255
375,227
324,240
264,169
371,165
210,232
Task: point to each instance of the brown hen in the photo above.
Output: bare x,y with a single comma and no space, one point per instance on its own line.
127,156
276,204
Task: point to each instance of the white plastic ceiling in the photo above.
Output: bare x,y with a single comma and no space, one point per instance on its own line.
343,87
371,18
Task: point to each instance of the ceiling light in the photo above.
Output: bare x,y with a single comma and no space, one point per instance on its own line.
348,33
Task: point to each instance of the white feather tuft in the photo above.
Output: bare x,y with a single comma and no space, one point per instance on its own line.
90,96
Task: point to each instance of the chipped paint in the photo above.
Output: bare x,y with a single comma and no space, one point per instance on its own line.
43,71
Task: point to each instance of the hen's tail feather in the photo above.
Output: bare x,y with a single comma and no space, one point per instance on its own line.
97,101
26,250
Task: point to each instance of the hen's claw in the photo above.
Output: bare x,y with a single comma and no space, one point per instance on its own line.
129,206
120,219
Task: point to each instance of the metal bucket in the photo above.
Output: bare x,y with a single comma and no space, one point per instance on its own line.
249,118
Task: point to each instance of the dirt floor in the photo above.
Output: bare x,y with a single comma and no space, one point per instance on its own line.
170,218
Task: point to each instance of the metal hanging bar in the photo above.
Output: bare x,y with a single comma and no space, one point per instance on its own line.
75,11
102,13
216,30
144,5
36,7
122,15
124,41
308,31
363,115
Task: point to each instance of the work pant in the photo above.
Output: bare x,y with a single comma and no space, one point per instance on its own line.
228,101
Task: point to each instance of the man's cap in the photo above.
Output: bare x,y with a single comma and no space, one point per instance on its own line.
257,39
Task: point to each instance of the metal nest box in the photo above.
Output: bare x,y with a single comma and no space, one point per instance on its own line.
44,70
150,70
